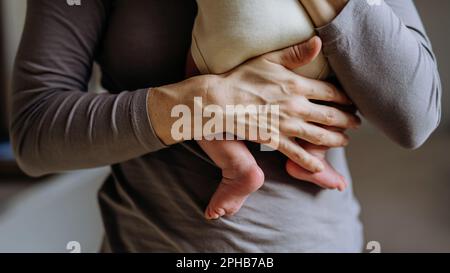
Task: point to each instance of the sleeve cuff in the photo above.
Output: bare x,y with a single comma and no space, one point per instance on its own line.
142,124
335,34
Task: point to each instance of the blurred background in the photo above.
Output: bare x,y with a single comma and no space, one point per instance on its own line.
405,195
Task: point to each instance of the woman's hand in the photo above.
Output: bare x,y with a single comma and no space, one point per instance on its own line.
267,80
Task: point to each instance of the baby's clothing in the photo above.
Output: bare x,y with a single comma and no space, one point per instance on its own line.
227,33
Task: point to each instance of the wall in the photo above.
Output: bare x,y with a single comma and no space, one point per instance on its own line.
436,17
12,17
3,123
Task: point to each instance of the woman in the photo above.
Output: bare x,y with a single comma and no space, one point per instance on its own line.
154,199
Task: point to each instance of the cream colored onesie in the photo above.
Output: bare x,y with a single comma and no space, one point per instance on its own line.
228,32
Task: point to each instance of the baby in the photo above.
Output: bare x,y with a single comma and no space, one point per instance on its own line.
226,34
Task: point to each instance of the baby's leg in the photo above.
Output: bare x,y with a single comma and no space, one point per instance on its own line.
241,176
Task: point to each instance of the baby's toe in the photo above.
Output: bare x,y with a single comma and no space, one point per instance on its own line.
214,213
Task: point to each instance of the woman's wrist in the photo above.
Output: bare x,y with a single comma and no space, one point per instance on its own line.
323,12
162,100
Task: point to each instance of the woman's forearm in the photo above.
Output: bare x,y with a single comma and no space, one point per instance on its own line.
384,60
66,130
56,125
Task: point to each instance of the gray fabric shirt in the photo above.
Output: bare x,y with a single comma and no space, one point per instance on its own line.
155,197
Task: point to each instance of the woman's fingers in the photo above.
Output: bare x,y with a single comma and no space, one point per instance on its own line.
329,116
314,134
296,56
322,91
296,153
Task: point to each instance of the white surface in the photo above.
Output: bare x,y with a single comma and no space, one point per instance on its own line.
51,214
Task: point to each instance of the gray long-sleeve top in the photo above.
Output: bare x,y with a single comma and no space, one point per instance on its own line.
154,199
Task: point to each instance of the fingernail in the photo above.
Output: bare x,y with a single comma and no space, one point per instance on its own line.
346,140
311,44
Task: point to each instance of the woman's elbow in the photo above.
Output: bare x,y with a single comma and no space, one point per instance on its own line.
419,112
29,167
25,156
415,130
414,138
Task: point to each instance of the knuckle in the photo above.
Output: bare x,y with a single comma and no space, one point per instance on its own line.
331,93
306,112
294,105
290,106
285,126
320,138
300,131
291,84
330,118
300,157
283,146
297,53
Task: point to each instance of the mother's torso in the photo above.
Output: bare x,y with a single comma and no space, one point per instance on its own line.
156,202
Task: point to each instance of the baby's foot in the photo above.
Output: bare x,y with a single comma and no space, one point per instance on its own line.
329,178
236,185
